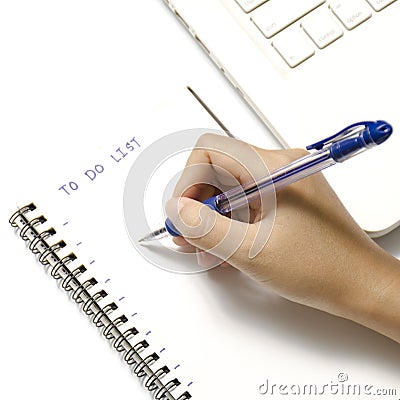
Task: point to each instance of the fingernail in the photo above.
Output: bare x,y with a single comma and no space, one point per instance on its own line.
182,202
207,260
201,258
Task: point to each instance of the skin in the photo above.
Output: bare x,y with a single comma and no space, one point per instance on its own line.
316,253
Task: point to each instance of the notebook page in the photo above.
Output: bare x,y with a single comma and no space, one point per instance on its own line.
76,216
221,334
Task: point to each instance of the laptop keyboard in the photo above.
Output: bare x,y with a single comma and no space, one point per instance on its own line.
299,28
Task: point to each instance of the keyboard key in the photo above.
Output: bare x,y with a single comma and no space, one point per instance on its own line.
249,5
351,12
293,46
276,15
379,5
321,28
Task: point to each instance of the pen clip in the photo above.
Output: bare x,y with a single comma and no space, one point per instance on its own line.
349,130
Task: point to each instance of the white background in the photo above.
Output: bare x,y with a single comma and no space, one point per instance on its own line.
70,53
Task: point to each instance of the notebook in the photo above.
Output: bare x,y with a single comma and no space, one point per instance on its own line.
308,69
215,334
80,81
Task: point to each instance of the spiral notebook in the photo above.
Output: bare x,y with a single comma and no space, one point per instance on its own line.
213,335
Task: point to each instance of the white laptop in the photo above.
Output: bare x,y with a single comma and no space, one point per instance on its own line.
309,68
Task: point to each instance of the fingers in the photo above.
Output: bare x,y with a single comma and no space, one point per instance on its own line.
204,259
180,241
216,164
205,228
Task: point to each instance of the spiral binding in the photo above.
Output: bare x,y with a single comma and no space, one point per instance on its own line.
100,316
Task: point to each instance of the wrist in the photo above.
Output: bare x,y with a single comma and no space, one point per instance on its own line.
375,300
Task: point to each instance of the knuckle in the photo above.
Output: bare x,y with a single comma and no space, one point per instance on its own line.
298,152
279,158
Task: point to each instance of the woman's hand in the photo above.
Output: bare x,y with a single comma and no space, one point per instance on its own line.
313,252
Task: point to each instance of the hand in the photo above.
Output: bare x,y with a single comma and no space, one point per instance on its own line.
315,254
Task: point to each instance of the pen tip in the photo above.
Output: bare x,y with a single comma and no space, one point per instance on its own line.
143,241
154,236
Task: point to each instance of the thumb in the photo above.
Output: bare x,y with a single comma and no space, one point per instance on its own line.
205,228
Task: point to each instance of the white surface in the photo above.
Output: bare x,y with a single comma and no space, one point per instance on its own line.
61,63
379,4
353,79
249,5
351,12
88,61
322,28
274,15
294,47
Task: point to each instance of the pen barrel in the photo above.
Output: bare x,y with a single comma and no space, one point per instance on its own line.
302,168
293,172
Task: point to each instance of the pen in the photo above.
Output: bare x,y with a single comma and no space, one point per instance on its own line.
352,140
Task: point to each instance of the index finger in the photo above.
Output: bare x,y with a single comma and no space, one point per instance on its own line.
216,163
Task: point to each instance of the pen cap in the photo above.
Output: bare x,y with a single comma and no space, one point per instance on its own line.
372,134
379,131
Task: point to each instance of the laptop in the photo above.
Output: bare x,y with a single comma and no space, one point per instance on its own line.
309,68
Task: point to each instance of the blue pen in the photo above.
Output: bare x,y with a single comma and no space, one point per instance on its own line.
337,148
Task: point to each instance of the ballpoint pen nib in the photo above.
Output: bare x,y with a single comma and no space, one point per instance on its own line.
155,235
